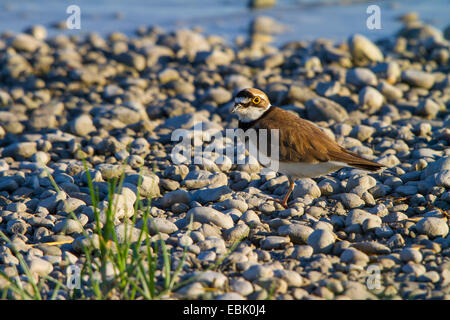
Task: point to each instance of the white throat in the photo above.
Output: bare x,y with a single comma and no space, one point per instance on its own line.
251,113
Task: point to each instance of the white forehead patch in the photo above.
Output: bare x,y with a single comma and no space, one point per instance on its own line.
241,100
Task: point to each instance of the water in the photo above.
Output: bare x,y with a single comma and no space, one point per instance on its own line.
305,20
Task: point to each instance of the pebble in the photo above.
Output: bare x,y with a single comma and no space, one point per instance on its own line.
266,25
415,268
82,125
363,50
191,291
257,272
126,233
274,242
418,78
432,227
351,200
410,254
371,99
68,226
321,241
243,287
176,196
236,233
305,187
371,247
297,233
361,77
20,150
428,108
163,225
230,296
354,256
302,251
39,266
430,276
319,109
210,215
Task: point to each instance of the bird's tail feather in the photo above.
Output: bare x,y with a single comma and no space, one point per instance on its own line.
355,160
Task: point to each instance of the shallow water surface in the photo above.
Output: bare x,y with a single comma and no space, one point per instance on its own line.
305,20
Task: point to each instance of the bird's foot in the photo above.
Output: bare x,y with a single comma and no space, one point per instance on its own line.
283,203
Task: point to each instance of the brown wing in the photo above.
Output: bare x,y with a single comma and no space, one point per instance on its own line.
302,141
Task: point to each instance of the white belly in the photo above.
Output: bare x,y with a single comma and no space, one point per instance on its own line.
309,170
295,169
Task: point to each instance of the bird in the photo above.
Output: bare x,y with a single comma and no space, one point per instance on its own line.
305,150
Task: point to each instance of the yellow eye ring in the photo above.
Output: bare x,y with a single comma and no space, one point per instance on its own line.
256,100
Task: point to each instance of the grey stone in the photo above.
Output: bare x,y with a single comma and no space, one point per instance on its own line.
358,216
329,186
410,254
210,215
361,77
390,92
149,184
354,256
163,225
302,251
322,109
407,190
442,179
371,247
200,179
212,194
241,286
297,233
25,42
437,166
16,226
20,150
127,233
257,272
266,25
363,50
230,296
68,226
432,227
176,196
430,276
415,268
371,99
428,108
168,75
82,125
306,186
321,241
39,266
292,278
191,291
418,78
351,200
236,233
211,278
274,242
85,242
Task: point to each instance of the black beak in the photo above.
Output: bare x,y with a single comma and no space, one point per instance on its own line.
235,107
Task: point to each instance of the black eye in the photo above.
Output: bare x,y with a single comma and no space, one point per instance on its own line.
256,100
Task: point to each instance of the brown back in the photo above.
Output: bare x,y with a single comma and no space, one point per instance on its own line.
303,141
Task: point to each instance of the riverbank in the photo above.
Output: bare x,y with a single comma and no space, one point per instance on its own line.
111,104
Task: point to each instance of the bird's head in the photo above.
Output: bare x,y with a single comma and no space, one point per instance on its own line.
250,104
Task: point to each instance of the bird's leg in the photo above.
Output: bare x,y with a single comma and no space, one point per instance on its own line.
286,197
